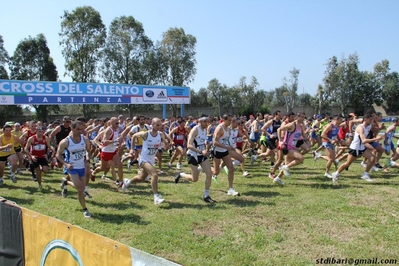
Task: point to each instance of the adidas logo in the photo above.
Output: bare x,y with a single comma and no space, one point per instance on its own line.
161,95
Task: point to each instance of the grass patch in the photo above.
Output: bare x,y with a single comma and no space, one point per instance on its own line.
309,218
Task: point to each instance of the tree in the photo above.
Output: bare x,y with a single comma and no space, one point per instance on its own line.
4,59
391,92
82,37
125,52
367,92
321,101
248,96
304,99
32,61
269,96
279,98
291,89
200,98
177,51
218,96
342,79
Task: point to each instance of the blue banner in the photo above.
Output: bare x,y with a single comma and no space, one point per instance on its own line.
45,92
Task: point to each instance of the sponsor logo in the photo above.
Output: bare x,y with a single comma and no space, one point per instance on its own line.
155,95
7,100
60,244
161,95
149,94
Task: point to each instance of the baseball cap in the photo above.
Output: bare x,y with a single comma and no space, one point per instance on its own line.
319,117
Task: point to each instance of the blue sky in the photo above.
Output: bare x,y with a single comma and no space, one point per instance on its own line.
261,38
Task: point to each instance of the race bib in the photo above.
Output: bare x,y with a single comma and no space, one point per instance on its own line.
7,150
78,155
239,139
179,137
201,147
39,147
152,151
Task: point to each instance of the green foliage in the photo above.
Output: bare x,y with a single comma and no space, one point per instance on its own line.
126,55
4,57
200,98
176,53
290,89
3,73
218,96
32,61
7,112
82,37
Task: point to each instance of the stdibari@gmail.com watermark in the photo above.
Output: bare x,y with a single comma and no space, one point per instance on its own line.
354,261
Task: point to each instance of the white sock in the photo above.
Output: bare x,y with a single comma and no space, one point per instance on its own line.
85,188
156,196
206,193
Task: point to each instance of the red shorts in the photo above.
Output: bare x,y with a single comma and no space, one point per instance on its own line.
107,156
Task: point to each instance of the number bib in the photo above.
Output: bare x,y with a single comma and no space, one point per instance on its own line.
39,147
78,155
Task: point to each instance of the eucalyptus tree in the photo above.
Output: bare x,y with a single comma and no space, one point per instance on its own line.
32,61
176,52
82,37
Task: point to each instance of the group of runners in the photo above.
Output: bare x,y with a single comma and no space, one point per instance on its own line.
83,148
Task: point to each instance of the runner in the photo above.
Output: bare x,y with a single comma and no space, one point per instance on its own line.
197,155
152,140
77,154
7,153
37,148
330,140
179,141
358,148
221,152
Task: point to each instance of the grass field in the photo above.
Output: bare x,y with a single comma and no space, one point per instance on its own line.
307,219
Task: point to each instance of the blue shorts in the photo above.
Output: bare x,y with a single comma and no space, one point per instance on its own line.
374,144
256,137
328,145
178,145
313,135
79,172
138,147
128,143
389,147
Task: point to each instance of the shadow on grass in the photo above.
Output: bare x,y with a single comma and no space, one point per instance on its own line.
264,194
178,205
269,185
329,185
242,202
119,219
20,201
118,205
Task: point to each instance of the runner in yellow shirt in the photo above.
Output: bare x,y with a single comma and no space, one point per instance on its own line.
8,154
17,147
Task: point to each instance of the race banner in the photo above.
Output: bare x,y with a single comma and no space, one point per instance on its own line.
18,92
48,241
